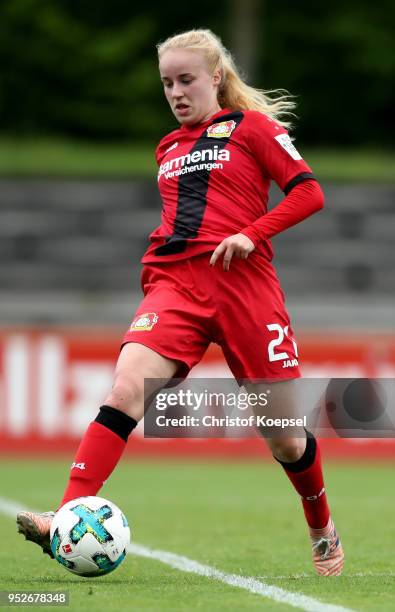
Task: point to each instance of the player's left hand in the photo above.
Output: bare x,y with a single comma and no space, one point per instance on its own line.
238,245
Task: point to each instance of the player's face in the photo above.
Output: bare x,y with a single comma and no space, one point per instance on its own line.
189,88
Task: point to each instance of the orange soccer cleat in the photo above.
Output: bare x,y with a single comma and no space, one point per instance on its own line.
35,526
328,555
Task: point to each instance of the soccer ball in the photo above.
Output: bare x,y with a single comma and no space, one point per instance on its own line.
89,536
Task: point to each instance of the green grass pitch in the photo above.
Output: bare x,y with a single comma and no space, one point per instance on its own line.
241,518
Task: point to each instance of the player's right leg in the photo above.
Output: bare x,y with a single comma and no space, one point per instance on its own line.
106,437
298,453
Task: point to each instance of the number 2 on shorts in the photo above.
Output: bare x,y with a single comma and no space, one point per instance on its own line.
281,332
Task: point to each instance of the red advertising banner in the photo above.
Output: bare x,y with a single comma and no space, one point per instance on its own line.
53,381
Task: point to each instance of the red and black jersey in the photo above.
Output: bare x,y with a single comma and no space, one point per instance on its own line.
214,181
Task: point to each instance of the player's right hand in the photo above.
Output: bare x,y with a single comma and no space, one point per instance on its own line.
238,244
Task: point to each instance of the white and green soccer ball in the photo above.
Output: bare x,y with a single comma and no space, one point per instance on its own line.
89,536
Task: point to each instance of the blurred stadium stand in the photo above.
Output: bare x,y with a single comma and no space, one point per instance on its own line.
70,251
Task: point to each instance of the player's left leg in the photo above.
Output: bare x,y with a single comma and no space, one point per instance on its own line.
298,452
257,339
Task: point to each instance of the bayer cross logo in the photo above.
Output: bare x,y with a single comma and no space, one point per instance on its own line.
91,521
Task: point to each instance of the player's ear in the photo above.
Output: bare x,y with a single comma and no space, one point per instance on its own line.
217,77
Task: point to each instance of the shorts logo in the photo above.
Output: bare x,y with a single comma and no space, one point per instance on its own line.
290,363
221,130
144,322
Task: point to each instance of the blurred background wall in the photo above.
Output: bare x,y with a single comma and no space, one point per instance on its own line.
84,68
81,110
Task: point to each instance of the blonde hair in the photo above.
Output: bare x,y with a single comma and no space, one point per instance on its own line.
233,92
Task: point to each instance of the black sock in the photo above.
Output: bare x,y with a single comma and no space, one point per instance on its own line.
117,421
306,460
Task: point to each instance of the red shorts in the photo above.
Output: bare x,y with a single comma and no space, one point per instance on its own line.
189,304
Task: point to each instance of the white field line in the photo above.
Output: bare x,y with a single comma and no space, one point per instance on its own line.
184,564
296,600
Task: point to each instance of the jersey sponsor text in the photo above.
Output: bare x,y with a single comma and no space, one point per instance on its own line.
175,166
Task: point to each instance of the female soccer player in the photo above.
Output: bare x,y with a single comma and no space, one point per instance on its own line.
208,274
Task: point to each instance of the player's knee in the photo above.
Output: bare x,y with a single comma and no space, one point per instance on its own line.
288,450
127,395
